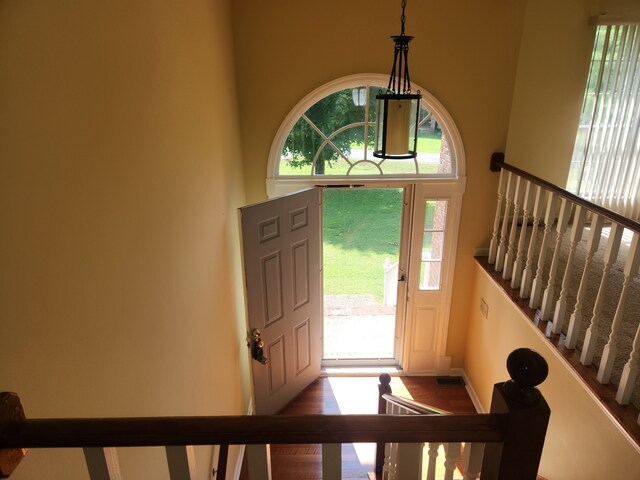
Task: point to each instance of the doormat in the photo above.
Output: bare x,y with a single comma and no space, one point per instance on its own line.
450,381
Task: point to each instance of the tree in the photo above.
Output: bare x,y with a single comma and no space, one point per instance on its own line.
328,115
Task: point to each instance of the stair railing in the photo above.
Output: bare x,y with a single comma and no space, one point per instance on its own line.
522,198
513,433
388,455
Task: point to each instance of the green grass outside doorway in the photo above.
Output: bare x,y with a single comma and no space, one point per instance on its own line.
361,229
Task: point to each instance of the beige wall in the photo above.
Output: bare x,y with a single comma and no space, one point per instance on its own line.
582,441
119,179
464,52
552,73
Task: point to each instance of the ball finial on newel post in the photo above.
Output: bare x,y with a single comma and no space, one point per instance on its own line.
527,369
10,411
384,387
385,379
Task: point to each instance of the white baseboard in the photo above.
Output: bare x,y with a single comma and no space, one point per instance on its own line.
470,390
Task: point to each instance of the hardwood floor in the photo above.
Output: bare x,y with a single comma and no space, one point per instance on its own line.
352,395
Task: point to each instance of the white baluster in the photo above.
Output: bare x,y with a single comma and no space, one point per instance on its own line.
517,202
102,463
473,453
182,462
549,219
629,374
593,242
576,234
610,255
389,469
451,452
561,228
331,461
611,349
493,246
516,276
386,466
259,462
502,247
527,275
433,460
392,468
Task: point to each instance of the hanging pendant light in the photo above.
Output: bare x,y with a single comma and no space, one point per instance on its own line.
398,109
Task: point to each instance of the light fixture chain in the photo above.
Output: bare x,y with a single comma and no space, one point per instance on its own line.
397,120
393,78
406,86
402,17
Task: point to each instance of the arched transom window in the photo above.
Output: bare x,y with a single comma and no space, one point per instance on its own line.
331,133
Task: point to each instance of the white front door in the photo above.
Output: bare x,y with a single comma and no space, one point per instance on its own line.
282,266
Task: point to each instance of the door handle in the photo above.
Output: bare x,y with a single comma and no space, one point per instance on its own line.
402,278
257,347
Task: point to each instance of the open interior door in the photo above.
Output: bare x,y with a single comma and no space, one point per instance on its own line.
282,266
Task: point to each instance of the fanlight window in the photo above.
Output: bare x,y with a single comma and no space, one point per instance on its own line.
335,136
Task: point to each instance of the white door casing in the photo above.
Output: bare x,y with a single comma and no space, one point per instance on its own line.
427,311
282,266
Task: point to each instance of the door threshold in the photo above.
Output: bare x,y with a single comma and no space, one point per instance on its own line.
369,371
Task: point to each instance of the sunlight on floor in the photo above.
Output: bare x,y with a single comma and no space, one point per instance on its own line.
359,395
359,371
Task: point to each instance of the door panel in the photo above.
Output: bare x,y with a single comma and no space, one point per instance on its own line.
282,263
432,262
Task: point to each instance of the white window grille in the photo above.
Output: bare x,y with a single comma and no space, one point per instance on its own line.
335,136
435,220
605,167
328,139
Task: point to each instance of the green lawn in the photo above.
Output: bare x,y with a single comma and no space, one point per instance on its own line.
361,229
427,143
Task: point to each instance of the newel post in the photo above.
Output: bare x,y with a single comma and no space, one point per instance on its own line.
528,416
384,388
10,410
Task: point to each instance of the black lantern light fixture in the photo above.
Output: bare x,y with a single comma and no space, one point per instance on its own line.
398,108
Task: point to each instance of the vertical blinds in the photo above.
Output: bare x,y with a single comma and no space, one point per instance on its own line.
606,162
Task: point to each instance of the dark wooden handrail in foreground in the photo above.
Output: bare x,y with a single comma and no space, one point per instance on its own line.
600,210
241,430
513,433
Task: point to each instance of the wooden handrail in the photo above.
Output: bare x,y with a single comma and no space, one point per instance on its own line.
512,434
600,210
232,430
413,407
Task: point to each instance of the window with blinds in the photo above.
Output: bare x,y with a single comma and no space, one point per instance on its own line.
605,167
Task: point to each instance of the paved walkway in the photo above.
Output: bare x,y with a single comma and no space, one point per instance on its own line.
355,326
